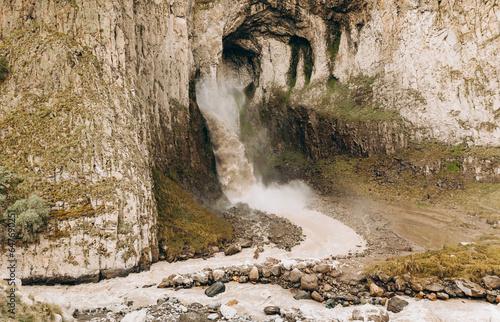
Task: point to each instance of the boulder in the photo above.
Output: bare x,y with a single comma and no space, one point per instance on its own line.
272,310
375,290
442,296
136,316
317,297
215,288
232,249
309,282
384,278
243,279
327,288
491,282
200,277
396,304
295,275
432,297
376,314
469,288
254,274
434,287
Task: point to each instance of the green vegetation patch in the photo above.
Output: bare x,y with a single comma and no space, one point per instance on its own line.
473,261
183,223
37,312
4,69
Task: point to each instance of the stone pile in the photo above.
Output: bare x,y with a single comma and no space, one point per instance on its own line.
323,281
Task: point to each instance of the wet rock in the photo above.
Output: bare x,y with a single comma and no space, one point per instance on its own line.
317,297
497,300
228,312
420,295
215,288
254,274
375,314
442,296
295,275
396,304
309,282
302,295
469,288
432,297
243,279
383,301
272,310
330,303
218,274
232,249
375,290
491,282
434,287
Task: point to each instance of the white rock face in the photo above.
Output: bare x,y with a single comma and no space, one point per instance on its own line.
438,66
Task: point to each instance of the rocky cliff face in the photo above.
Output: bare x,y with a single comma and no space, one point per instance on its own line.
101,91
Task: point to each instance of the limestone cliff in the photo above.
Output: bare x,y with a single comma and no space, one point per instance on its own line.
100,92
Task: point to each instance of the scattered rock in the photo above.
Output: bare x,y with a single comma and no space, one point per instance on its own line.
245,243
232,302
442,296
330,303
272,310
302,295
243,279
416,287
232,249
276,270
309,282
376,290
383,301
317,297
201,278
323,268
254,274
218,274
228,312
432,297
215,288
375,314
469,288
384,278
420,295
136,316
213,316
491,282
396,304
434,287
214,306
327,288
335,273
295,275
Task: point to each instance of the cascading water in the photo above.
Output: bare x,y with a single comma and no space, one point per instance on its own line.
220,107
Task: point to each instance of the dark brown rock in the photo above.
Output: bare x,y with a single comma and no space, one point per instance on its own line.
272,310
215,288
396,304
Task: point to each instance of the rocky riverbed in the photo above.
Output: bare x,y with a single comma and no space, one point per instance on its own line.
281,285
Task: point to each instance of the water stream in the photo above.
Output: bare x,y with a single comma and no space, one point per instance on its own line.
324,237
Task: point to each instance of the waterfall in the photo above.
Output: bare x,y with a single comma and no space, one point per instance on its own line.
220,105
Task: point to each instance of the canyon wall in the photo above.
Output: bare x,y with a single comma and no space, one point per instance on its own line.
100,92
